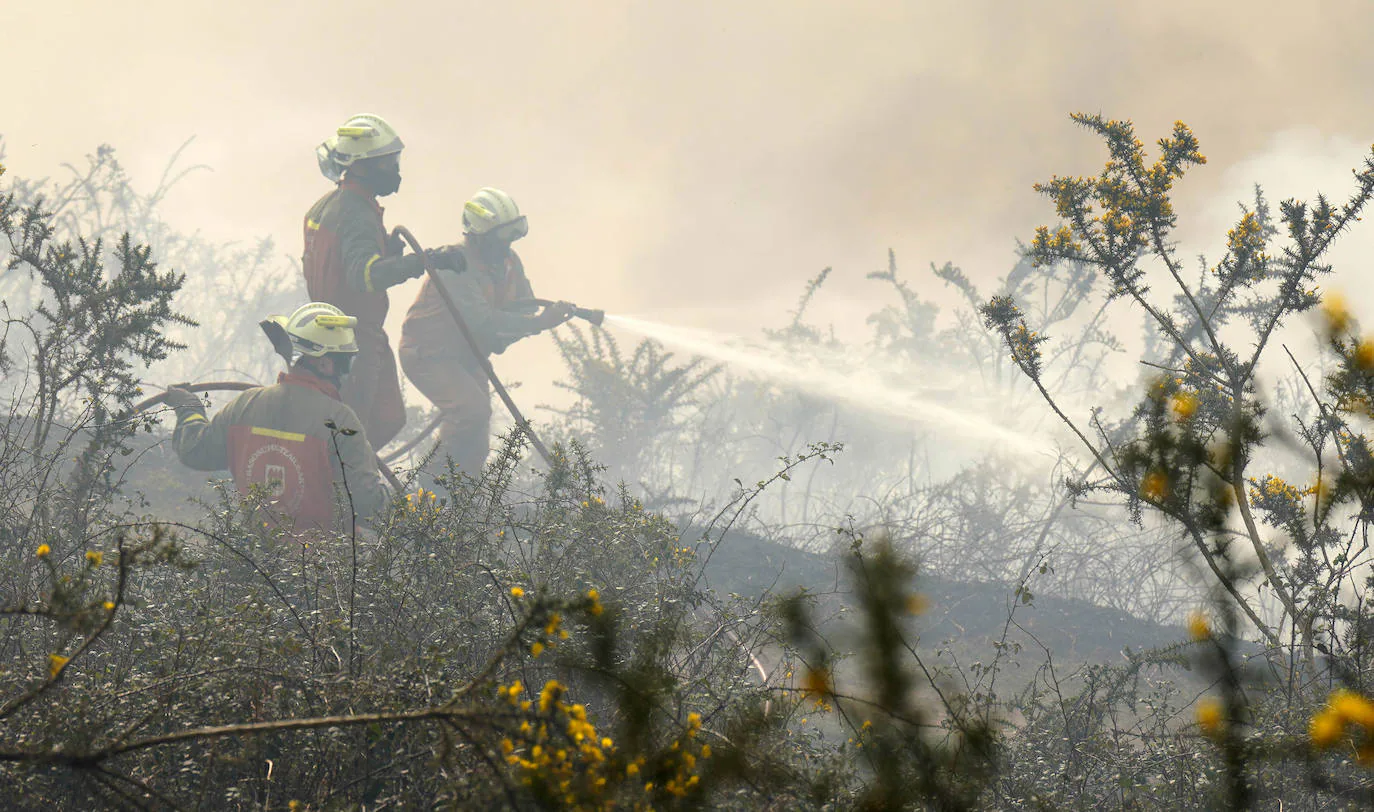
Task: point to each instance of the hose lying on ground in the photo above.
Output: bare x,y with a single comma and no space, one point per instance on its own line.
413,441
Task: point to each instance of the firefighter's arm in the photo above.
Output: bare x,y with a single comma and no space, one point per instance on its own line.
517,321
359,463
367,267
518,324
523,319
200,442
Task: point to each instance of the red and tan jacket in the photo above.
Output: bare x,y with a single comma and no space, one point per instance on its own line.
276,437
344,240
485,296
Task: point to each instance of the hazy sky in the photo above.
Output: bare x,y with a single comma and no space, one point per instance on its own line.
691,161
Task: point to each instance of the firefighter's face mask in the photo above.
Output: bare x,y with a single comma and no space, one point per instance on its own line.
494,246
512,231
343,363
380,176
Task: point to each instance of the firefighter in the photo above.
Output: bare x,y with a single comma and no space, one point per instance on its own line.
489,288
349,262
279,436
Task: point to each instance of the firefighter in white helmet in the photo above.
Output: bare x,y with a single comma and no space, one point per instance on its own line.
349,261
488,287
280,436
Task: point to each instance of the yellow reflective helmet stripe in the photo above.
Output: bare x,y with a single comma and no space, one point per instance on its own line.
356,132
195,417
280,435
336,321
367,274
311,225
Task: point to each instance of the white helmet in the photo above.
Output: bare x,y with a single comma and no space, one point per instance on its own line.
492,210
362,136
316,329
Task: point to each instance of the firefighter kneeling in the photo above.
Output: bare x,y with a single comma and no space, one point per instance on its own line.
279,437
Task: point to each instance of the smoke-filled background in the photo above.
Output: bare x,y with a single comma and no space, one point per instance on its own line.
693,162
693,169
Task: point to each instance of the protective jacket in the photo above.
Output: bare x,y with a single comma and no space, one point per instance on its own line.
485,295
346,264
276,437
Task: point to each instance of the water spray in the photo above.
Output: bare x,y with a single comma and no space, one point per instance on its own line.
857,388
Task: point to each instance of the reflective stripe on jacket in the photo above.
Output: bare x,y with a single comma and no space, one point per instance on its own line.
344,238
276,437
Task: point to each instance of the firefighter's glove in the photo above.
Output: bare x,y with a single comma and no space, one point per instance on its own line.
185,402
448,258
554,315
395,245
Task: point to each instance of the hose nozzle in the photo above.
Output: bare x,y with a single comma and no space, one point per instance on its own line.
593,316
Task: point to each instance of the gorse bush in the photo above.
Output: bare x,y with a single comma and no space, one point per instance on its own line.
1192,449
99,203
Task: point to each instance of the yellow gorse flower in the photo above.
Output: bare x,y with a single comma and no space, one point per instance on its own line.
1184,405
1353,708
1274,487
1198,628
94,558
1210,716
1336,313
1325,729
1364,354
56,662
1155,486
42,550
1343,708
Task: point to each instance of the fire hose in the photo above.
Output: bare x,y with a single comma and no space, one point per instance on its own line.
239,386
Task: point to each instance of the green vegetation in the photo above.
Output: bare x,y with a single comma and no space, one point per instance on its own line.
537,639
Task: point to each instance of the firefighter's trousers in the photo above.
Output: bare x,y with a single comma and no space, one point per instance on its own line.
373,387
461,393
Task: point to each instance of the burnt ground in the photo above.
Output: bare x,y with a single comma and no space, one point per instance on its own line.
964,618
